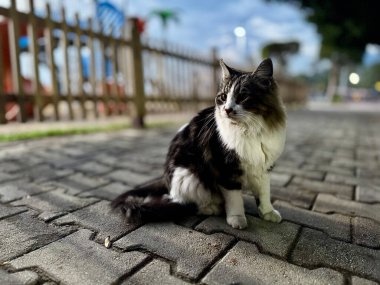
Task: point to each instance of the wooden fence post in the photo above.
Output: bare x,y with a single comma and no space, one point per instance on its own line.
215,71
33,49
14,34
138,75
2,95
50,56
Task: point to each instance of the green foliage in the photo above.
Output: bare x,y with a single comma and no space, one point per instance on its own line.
346,27
280,51
165,16
369,76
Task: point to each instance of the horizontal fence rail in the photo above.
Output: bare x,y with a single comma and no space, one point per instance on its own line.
56,69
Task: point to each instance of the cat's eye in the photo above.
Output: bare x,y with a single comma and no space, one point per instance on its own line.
223,97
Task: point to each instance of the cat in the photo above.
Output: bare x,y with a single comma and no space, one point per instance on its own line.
224,150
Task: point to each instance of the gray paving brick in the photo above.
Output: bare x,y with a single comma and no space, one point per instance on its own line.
244,264
54,203
336,226
9,166
294,195
107,192
344,191
156,272
328,204
315,248
312,174
22,233
328,168
76,183
92,167
279,179
26,277
43,173
6,211
130,178
99,218
342,179
77,260
190,250
274,238
361,281
7,176
20,188
366,232
368,193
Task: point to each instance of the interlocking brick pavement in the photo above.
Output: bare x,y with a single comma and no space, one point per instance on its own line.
55,215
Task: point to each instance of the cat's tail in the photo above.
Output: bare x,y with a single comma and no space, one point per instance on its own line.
150,202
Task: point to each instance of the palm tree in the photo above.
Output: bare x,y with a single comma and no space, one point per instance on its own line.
165,16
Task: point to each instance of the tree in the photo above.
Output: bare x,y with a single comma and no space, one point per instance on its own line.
346,27
165,16
280,51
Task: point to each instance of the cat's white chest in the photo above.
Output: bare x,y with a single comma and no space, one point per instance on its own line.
257,150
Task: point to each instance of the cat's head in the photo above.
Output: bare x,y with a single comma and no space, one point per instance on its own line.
246,97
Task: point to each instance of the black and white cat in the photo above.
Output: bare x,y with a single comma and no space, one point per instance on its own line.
221,152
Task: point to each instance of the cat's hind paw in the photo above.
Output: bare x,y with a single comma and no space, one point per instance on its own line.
237,222
274,216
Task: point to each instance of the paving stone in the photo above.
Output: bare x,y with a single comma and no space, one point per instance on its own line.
343,191
328,168
329,204
18,189
270,237
55,158
244,264
156,272
279,179
43,173
315,248
54,203
6,211
336,226
22,233
361,281
77,183
131,178
312,174
7,177
296,196
366,232
26,277
107,192
342,179
9,166
92,167
100,218
368,193
77,260
191,251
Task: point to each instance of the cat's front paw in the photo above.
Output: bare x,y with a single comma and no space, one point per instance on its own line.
273,216
237,222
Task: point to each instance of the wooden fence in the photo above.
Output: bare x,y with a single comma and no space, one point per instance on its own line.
68,70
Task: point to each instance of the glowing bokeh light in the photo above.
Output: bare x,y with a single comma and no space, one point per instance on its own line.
239,32
354,78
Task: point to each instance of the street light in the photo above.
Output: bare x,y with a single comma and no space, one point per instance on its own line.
239,32
354,78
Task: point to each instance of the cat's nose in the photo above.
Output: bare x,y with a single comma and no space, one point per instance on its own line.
228,110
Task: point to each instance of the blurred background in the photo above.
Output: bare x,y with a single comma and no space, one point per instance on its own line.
85,59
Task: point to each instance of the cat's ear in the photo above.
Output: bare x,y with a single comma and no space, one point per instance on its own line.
227,72
265,69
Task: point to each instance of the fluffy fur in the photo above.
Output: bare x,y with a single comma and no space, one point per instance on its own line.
224,150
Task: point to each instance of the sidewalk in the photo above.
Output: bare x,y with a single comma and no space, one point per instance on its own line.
56,226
